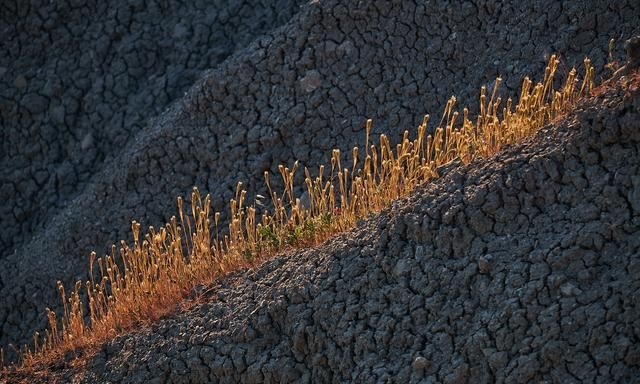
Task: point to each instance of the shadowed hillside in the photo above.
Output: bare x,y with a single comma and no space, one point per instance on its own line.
522,268
98,130
79,81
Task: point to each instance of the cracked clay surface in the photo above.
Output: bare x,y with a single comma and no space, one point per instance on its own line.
110,110
523,268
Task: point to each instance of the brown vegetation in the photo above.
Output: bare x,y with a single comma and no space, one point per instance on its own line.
140,282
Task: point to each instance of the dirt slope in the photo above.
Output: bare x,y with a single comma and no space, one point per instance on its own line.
79,81
74,177
523,268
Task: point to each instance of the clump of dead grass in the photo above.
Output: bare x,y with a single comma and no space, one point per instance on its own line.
139,282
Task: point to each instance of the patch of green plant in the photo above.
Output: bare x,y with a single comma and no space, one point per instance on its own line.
267,234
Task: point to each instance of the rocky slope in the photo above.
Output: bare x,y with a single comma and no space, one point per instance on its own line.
521,268
82,83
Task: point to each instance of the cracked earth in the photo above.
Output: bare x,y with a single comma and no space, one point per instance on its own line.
523,268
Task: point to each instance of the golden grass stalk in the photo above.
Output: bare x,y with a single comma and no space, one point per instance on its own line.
146,279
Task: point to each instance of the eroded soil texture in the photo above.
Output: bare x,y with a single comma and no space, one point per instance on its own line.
109,110
522,268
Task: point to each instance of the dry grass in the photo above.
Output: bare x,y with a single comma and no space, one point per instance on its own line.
140,282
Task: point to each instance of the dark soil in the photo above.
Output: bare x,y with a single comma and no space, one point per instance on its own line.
519,269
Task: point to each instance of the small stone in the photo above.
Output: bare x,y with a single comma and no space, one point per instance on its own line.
402,267
87,142
484,264
345,48
632,46
311,81
421,363
180,31
568,289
